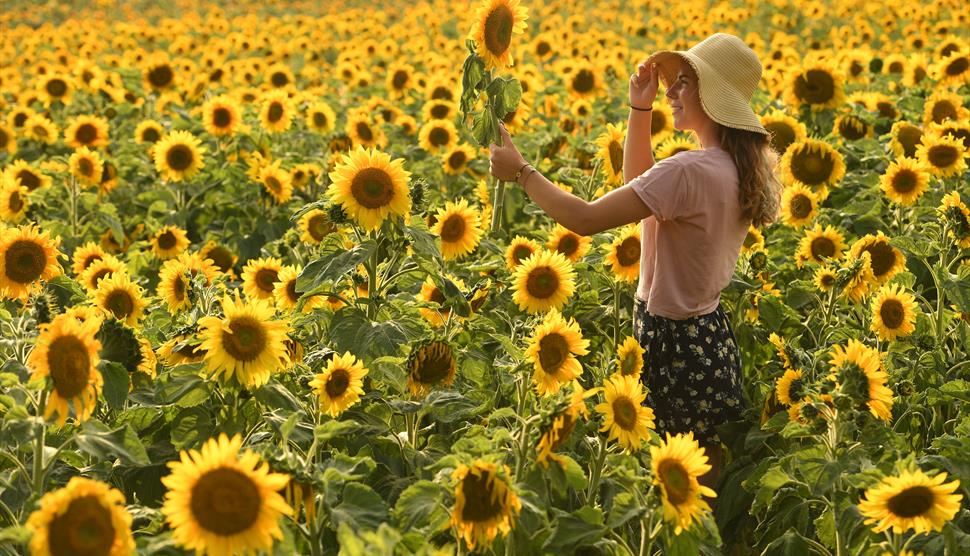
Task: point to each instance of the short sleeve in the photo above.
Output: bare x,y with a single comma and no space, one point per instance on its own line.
664,188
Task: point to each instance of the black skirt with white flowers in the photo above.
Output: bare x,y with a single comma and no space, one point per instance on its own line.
692,372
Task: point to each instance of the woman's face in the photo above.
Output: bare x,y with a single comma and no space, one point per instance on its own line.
684,99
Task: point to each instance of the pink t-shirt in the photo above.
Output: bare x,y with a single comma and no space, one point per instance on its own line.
690,246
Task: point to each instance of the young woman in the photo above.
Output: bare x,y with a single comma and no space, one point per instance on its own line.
695,209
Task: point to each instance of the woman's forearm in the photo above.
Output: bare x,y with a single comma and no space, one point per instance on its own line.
562,206
637,152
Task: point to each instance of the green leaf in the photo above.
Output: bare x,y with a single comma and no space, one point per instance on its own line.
184,388
367,543
420,506
116,383
361,507
472,73
485,128
191,427
917,244
504,94
580,528
686,543
625,507
14,535
333,265
275,396
956,286
448,406
351,330
790,544
95,439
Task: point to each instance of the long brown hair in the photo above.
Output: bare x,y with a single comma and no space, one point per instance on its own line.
759,191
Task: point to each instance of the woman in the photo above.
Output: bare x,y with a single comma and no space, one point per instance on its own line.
695,209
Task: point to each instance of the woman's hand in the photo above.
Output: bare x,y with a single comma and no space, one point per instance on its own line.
643,85
504,161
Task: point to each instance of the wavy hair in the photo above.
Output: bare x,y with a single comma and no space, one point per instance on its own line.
759,191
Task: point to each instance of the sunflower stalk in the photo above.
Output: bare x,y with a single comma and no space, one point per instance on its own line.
38,467
597,473
498,205
939,288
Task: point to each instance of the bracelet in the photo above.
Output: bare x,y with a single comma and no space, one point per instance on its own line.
518,174
641,109
526,179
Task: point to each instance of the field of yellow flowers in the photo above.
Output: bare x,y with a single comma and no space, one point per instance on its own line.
260,294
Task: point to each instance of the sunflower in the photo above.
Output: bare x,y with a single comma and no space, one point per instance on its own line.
824,279
543,281
178,156
340,385
893,313
86,165
259,277
852,127
29,177
887,260
430,293
856,277
623,254
790,387
364,132
56,87
175,285
431,364
942,155
41,129
121,298
798,206
857,372
820,244
181,350
784,129
315,225
455,160
904,181
221,116
561,425
754,241
661,122
158,73
677,463
952,70
944,105
222,258
320,117
552,350
223,502
84,517
958,130
87,131
629,357
568,243
370,187
437,136
674,145
584,80
459,228
520,249
276,112
287,297
67,351
400,79
440,110
246,342
28,256
100,269
149,131
13,200
495,23
277,182
611,152
485,505
957,214
816,84
8,139
911,500
905,138
169,242
624,416
814,164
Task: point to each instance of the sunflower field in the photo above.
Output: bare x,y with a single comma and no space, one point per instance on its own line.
259,292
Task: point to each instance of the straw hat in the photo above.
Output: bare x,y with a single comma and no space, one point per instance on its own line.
728,72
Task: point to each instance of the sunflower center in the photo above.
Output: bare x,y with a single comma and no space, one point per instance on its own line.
178,288
457,159
275,112
338,383
628,252
70,366
266,279
942,156
435,363
400,79
629,365
453,228
624,413
583,81
852,128
616,156
221,117
553,352
568,424
86,167
274,185
801,206
815,86
245,340
319,119
892,313
28,179
913,501
220,257
543,48
291,292
812,168
904,181
439,136
24,261
167,240
958,66
279,79
86,134
84,529
498,30
372,188
481,502
676,481
364,132
658,123
179,157
943,110
440,111
883,257
568,244
886,109
782,135
120,303
150,135
319,226
521,252
161,76
225,501
542,283
15,202
56,87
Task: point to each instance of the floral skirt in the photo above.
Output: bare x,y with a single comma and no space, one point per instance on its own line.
692,371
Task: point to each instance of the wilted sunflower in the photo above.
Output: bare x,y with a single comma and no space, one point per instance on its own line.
86,165
28,256
675,145
431,364
911,500
629,357
178,156
276,113
67,351
222,502
246,343
149,131
370,187
623,254
857,372
459,228
561,425
437,136
798,205
953,209
887,260
814,164
520,249
624,415
276,181
495,23
221,116
611,152
942,155
817,84
87,131
677,463
905,181
543,281
568,243
28,176
820,244
785,130
340,385
259,277
790,387
117,296
86,517
320,117
893,313
169,241
552,350
13,200
905,138
485,505
455,160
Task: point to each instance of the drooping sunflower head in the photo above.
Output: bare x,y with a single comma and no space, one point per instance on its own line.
855,277
798,205
67,352
857,372
852,127
340,385
221,501
117,296
178,156
543,281
623,254
495,23
485,505
784,129
893,313
430,365
814,164
553,349
169,241
568,243
370,187
753,241
905,138
625,417
677,463
629,357
911,500
28,257
459,228
520,249
887,261
556,430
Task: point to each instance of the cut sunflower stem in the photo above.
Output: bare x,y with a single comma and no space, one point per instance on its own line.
498,205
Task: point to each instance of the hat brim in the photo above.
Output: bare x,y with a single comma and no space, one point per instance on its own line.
721,102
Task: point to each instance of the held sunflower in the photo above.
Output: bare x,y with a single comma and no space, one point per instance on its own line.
67,352
370,187
545,280
552,350
625,417
495,23
340,385
459,228
911,500
677,463
485,505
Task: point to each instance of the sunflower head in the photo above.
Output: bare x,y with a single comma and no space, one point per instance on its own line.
340,385
431,364
520,249
28,257
459,228
798,206
858,374
677,463
893,313
911,500
886,260
370,187
625,417
623,254
814,164
905,181
178,156
117,296
629,357
553,349
784,130
545,280
485,505
816,84
67,352
495,23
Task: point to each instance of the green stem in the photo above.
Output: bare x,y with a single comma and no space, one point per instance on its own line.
616,314
597,473
522,391
372,285
73,207
38,474
498,205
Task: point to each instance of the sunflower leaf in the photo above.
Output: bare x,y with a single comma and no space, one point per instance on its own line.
332,266
504,94
420,506
97,440
115,383
361,507
485,128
